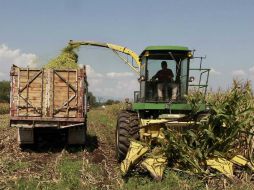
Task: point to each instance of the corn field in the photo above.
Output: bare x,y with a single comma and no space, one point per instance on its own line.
227,131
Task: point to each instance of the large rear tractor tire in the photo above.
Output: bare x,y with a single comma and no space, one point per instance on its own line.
127,127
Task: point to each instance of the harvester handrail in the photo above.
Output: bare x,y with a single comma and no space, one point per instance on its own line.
202,72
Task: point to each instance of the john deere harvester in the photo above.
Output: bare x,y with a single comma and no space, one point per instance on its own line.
159,105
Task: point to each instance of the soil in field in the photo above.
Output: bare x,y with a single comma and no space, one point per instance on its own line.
50,163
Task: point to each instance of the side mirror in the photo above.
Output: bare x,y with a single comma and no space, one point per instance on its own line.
191,79
141,78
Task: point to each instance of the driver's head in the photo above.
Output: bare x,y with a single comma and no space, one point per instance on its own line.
164,65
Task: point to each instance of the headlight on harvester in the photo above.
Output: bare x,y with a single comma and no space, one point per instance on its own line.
141,78
189,54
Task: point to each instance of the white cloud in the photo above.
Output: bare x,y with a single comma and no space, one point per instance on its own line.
238,73
214,72
9,57
106,85
92,73
118,75
16,57
251,70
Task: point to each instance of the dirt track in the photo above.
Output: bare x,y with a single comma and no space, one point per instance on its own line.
42,163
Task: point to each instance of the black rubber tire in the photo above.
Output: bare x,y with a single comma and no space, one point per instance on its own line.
127,127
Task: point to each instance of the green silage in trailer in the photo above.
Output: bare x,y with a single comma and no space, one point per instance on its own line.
68,59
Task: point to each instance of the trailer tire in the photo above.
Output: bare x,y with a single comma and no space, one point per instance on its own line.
127,127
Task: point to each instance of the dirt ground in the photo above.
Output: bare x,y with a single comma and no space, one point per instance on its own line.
44,161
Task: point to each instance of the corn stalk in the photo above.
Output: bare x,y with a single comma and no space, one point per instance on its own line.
227,132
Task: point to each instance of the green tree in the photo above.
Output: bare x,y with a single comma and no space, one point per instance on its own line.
92,99
110,102
4,91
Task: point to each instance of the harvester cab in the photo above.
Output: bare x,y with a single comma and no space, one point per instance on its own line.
171,83
163,90
162,73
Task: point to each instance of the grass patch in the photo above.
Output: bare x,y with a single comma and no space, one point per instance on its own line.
70,173
4,120
16,166
107,116
94,176
24,184
104,121
172,180
4,108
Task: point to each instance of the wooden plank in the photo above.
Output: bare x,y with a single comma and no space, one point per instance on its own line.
35,90
24,69
65,74
71,79
24,80
59,104
51,92
63,92
61,84
34,99
63,98
42,90
12,100
31,112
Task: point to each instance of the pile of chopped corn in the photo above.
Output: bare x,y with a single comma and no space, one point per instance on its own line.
68,59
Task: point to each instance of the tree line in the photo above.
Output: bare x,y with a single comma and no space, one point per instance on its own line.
4,91
98,101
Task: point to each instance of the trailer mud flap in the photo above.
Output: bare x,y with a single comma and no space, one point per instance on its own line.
25,136
76,135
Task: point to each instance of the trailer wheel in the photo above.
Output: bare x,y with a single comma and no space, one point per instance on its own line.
127,127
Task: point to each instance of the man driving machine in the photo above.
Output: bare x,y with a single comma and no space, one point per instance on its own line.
165,79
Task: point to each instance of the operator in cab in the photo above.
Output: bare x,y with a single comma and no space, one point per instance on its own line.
165,79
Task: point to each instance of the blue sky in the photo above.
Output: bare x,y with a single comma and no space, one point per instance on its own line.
37,30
